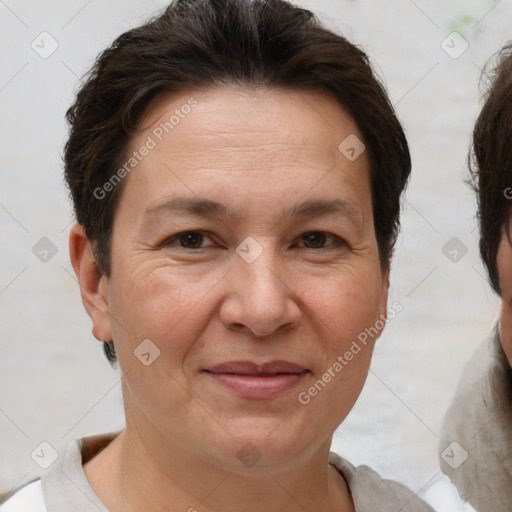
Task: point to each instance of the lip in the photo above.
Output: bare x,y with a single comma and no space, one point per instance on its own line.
258,381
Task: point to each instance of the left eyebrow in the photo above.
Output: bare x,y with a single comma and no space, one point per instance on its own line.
317,207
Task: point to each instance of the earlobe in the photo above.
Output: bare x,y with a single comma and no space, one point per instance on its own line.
93,286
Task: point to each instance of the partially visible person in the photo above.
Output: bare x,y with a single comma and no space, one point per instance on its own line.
236,172
476,440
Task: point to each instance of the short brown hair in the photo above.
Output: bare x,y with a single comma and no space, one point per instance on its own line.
205,43
490,160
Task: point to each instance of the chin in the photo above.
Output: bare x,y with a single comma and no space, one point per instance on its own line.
264,443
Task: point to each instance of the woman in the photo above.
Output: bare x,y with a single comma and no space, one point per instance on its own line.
476,450
236,173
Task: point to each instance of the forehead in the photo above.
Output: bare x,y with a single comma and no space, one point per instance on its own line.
265,139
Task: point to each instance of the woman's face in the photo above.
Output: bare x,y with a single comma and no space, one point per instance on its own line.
244,268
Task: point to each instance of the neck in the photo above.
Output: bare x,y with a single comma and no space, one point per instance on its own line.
137,473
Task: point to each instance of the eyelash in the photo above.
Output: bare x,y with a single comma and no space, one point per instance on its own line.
176,238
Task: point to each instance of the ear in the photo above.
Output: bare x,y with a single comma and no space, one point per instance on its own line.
93,285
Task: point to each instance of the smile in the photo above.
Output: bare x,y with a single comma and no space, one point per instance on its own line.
250,380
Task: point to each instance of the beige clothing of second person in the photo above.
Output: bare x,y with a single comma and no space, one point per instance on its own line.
476,438
66,488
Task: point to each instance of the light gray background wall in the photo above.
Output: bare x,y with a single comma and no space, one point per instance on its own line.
56,384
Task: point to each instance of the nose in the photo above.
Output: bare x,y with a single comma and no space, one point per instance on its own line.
260,298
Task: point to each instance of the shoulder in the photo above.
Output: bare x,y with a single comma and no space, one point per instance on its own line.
476,372
466,427
475,449
469,409
27,499
371,492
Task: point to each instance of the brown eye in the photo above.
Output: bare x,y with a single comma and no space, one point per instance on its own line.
315,240
191,240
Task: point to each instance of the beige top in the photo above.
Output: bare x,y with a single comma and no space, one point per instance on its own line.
476,438
65,487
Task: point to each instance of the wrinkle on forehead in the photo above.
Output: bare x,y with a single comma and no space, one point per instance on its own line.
250,108
267,141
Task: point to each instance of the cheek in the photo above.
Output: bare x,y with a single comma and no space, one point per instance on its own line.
506,331
345,335
346,305
169,307
345,322
349,308
505,326
504,263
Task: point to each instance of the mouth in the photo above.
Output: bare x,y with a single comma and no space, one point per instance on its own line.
258,381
